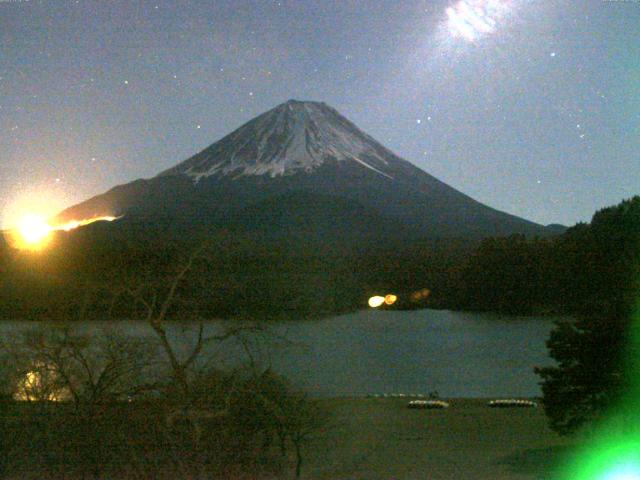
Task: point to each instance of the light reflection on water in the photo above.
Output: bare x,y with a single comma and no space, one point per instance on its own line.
458,354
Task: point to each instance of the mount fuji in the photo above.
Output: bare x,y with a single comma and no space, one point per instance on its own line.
303,167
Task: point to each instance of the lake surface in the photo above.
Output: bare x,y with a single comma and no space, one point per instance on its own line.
376,352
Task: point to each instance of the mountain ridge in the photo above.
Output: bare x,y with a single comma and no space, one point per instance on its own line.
303,146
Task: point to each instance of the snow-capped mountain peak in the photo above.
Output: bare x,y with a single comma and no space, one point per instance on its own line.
302,163
296,136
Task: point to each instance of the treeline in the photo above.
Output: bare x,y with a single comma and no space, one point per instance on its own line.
92,273
591,267
595,378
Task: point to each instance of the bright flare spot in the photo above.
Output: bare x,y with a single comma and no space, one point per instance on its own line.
375,302
625,472
610,457
33,231
390,299
42,384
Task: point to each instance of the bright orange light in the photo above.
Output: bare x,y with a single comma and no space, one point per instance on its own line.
390,299
33,232
375,302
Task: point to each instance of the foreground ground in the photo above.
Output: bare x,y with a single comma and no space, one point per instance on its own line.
382,439
368,439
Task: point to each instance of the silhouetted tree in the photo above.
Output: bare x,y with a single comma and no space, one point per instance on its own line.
210,403
596,354
589,377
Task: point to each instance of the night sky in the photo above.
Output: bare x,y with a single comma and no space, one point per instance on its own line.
532,107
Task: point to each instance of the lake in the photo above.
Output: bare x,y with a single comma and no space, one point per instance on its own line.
458,354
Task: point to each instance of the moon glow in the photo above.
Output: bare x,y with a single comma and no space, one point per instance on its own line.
473,19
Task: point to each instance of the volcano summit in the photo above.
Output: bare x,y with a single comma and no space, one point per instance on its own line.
304,166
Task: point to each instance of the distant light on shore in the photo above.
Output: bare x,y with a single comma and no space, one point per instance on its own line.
420,295
375,302
378,301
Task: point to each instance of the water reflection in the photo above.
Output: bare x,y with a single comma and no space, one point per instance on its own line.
374,351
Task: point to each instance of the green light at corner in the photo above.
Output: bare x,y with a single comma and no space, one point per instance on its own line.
607,459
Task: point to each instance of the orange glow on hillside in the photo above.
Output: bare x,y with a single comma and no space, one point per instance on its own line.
33,232
73,224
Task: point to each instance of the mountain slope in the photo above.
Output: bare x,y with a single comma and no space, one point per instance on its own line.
303,153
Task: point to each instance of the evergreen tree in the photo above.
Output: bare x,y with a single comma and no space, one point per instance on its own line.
593,353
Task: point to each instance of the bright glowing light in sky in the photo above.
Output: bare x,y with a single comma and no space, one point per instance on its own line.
472,19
